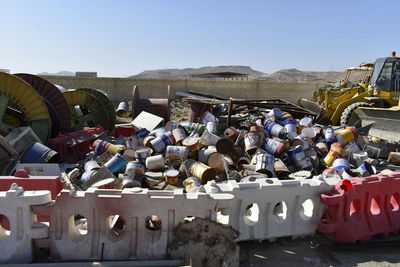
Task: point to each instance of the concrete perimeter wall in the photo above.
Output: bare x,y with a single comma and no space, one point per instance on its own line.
120,89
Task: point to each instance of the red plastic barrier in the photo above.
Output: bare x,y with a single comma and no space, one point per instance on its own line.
73,147
365,207
33,183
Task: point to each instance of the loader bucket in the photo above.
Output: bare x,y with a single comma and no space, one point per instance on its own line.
314,107
386,122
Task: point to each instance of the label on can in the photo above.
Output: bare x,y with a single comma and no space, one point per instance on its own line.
113,149
296,153
341,163
332,155
176,152
338,150
171,138
273,146
158,144
276,129
179,134
265,161
251,141
198,169
136,166
290,126
143,152
280,167
116,164
100,146
171,176
132,142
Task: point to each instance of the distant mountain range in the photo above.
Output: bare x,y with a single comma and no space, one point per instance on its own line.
295,75
285,75
187,73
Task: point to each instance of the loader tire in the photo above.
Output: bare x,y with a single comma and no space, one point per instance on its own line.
344,119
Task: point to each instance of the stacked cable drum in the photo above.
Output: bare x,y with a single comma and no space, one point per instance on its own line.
30,100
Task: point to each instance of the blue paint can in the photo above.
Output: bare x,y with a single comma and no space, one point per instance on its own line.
276,113
296,153
274,129
265,164
158,144
290,126
142,133
116,164
39,153
165,140
168,139
100,146
341,164
366,169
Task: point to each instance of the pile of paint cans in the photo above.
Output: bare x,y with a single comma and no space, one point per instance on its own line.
273,144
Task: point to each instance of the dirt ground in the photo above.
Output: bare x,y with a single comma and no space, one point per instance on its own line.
318,251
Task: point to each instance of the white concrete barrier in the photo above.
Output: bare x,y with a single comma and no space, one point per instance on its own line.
136,237
18,225
261,210
272,208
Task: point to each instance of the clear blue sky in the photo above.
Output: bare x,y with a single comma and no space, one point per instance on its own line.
120,38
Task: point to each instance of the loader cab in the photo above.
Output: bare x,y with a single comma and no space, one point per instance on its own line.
386,72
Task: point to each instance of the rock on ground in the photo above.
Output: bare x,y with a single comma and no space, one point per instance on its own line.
205,243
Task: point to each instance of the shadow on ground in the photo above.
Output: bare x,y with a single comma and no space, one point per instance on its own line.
319,251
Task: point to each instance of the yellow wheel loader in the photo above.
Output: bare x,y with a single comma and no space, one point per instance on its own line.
384,115
375,100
